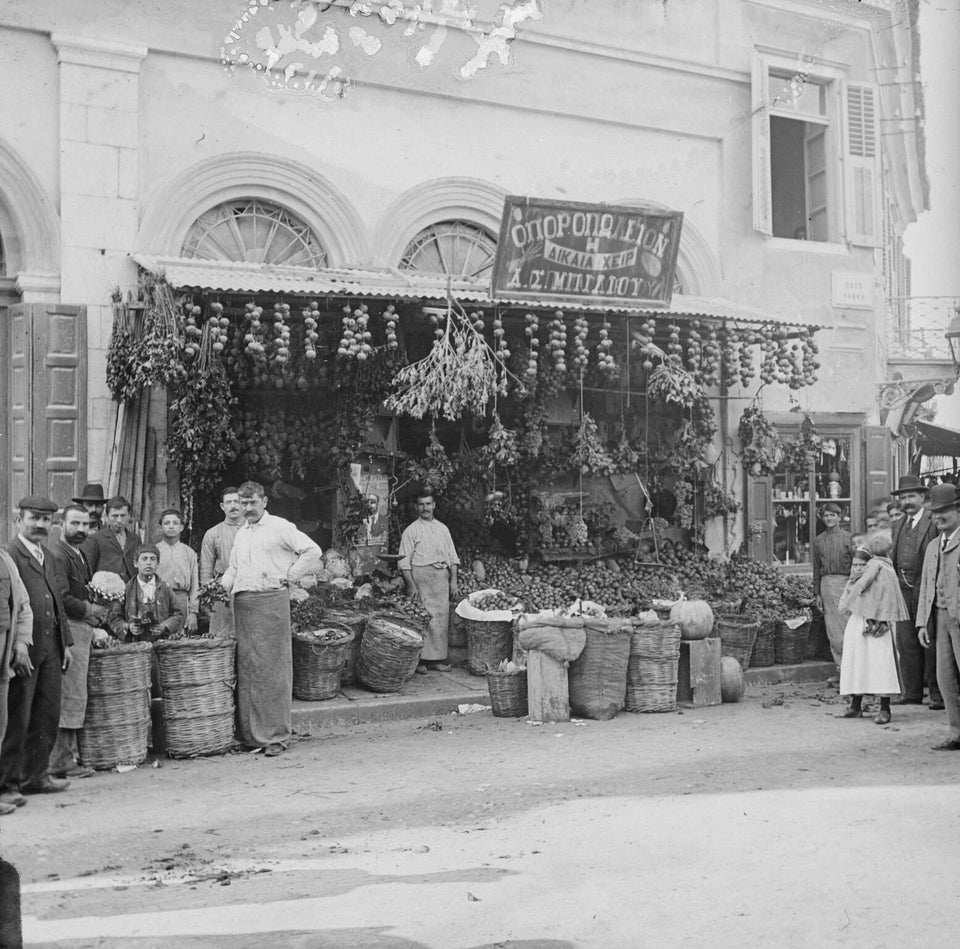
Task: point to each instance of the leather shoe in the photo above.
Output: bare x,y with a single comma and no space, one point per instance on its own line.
421,670
951,744
7,809
851,713
882,717
77,771
272,751
13,797
936,705
45,785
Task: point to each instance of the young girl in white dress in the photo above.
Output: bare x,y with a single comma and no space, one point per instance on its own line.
869,663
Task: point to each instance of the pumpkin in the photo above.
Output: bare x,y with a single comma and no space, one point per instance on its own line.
731,680
694,617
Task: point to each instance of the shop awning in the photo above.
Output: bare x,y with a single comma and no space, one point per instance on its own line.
936,441
227,277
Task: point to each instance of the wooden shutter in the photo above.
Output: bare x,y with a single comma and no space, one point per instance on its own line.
760,114
759,519
862,179
878,459
47,400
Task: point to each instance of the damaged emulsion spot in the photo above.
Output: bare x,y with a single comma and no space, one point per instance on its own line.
291,43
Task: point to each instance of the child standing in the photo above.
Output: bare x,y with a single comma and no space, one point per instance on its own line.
872,597
148,610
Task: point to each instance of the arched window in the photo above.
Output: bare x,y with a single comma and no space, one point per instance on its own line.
3,259
254,232
452,248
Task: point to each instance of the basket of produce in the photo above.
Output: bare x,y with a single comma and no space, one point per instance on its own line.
737,636
389,651
318,658
652,667
790,640
598,676
197,677
117,721
488,621
355,621
763,654
508,690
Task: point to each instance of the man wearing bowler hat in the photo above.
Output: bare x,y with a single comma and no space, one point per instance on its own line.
93,501
938,608
33,701
911,535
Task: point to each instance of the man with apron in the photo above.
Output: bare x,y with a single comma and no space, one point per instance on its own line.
215,558
832,559
429,564
269,554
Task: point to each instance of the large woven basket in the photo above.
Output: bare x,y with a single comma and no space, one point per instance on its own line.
598,676
652,669
389,652
198,677
508,693
117,721
790,645
737,636
763,653
318,666
488,643
355,622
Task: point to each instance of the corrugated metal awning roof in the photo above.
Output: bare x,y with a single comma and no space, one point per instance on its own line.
230,277
938,441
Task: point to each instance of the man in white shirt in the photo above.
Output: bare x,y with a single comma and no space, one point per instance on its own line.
268,554
939,601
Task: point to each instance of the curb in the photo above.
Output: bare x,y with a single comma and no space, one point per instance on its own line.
358,707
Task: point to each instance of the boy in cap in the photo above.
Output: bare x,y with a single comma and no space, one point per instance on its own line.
148,610
33,701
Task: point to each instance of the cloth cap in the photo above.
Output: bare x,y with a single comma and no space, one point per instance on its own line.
146,549
942,497
909,483
831,509
90,492
38,504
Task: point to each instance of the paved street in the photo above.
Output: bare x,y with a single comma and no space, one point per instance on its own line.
766,823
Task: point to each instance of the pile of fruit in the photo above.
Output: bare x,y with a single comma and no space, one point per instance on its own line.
494,600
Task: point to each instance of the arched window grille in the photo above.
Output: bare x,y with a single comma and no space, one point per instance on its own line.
254,232
451,248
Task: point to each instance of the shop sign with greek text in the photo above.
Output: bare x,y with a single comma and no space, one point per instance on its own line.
594,253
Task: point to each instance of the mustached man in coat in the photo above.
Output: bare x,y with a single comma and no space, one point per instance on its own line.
33,702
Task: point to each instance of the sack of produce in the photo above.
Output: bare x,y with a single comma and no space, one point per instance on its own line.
560,637
598,676
488,624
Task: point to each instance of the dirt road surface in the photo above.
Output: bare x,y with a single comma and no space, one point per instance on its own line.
769,823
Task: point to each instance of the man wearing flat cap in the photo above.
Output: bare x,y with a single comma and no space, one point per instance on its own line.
33,702
92,500
938,609
911,535
832,556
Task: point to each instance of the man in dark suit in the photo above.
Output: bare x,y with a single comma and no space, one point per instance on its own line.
113,547
911,534
33,702
84,618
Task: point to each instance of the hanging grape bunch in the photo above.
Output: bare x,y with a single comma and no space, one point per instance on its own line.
530,331
747,370
711,359
311,319
605,360
192,332
391,317
580,355
647,332
218,324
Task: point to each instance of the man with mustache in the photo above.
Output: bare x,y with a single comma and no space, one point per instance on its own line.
911,535
85,619
33,702
215,557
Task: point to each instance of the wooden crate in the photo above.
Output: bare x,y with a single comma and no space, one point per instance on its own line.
698,675
548,691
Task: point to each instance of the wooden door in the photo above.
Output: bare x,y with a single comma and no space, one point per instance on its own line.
759,519
46,403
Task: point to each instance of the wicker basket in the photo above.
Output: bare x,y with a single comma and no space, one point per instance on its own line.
389,652
763,654
652,669
598,676
317,667
488,643
737,636
790,645
508,693
117,721
198,677
355,622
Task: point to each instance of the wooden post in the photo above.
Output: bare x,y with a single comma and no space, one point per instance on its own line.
698,676
548,691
